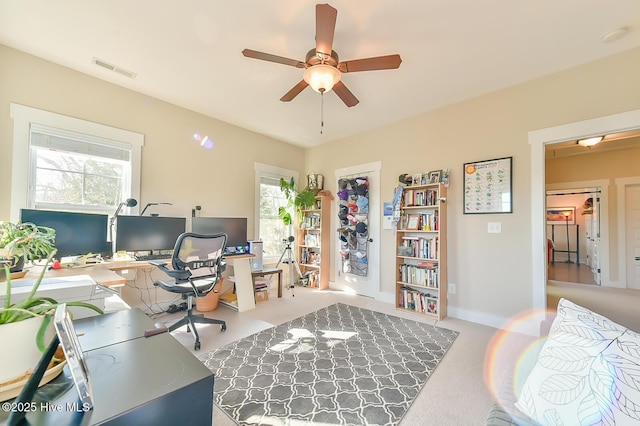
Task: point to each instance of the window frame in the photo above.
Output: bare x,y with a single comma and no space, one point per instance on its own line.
261,170
23,118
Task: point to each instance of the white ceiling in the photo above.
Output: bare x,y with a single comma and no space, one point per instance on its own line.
189,52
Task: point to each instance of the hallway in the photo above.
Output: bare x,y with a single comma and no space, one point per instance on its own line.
570,272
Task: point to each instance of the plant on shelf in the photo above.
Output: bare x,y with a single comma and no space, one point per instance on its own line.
298,200
19,322
22,242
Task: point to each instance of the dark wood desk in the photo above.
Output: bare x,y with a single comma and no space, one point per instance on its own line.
269,271
135,380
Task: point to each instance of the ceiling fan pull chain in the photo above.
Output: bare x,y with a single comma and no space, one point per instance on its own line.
321,110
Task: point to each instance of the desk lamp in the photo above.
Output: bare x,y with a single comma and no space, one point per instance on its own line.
129,202
153,204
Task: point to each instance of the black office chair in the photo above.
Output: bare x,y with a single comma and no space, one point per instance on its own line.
197,267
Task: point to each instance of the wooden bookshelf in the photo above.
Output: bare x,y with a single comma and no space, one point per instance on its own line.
314,242
421,251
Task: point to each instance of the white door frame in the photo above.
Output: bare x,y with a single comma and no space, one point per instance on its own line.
621,184
538,139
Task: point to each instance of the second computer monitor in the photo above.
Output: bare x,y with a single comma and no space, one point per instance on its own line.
234,227
148,233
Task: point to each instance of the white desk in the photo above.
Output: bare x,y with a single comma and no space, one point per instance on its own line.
243,282
107,274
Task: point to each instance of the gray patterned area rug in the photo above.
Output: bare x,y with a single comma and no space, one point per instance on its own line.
340,365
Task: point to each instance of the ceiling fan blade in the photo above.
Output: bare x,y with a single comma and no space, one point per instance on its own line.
325,28
345,94
272,58
295,91
370,64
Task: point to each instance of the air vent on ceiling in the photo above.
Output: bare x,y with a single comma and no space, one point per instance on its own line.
114,68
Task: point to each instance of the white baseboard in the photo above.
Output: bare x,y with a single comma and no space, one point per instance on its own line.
529,326
526,325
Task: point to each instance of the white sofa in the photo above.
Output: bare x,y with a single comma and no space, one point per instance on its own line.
587,371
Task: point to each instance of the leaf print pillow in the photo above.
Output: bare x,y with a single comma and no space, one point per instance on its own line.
587,373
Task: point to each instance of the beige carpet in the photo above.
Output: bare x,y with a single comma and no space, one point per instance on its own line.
619,305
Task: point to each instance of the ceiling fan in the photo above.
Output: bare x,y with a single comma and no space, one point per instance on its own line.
323,69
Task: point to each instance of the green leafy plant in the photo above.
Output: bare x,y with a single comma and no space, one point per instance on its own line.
33,306
298,200
25,240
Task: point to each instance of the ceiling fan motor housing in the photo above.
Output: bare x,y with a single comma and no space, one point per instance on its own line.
313,58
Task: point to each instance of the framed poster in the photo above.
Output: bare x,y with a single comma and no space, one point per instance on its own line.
488,186
561,215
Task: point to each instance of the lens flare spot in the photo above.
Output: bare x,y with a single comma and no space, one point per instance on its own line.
513,351
205,141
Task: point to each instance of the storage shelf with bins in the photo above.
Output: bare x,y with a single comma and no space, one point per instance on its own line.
314,254
421,251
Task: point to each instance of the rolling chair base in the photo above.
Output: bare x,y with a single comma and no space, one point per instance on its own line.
191,320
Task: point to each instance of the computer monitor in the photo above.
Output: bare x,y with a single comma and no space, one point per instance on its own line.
234,227
148,233
76,233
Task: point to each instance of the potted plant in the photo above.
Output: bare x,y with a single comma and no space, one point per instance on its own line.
22,242
27,325
297,199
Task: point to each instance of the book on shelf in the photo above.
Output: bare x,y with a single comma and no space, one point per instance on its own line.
309,257
311,221
311,240
420,197
423,276
412,299
421,247
427,221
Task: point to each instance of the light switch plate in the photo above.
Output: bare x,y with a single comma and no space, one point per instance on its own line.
494,227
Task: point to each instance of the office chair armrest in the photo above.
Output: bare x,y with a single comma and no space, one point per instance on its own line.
175,274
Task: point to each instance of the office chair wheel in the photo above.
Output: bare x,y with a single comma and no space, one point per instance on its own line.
197,346
223,327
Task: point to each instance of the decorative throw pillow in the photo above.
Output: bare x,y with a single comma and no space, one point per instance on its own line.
587,373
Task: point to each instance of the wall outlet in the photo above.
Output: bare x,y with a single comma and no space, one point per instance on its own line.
451,288
494,227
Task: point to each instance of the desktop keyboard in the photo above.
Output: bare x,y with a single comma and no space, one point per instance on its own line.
234,254
152,256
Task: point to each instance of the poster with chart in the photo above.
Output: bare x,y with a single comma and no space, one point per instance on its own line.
488,186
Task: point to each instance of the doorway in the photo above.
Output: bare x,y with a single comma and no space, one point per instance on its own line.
538,139
574,244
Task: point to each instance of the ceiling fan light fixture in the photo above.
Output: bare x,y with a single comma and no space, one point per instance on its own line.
589,142
321,77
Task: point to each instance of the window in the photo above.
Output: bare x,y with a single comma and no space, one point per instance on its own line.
269,227
73,172
64,163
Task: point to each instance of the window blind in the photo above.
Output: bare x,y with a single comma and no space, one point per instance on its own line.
68,141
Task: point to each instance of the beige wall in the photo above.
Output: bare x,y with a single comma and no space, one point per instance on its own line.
174,167
599,165
492,271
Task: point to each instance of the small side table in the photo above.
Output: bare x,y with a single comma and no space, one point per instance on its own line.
269,271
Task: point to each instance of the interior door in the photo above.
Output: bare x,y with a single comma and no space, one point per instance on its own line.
594,237
364,284
632,220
